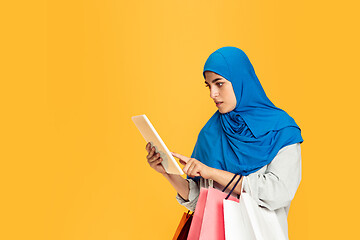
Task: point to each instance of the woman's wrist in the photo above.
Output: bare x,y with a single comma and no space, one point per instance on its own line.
213,172
223,178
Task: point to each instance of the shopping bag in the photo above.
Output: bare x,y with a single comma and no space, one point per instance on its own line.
236,222
208,219
197,220
247,220
182,230
183,227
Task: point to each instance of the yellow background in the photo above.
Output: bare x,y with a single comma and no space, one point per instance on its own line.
73,73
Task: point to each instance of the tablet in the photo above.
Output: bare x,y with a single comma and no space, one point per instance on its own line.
148,131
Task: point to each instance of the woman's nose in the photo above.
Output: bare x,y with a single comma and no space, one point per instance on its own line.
213,93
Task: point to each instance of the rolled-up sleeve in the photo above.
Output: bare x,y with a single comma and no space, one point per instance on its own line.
194,191
275,187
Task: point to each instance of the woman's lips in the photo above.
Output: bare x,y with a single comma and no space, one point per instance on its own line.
218,104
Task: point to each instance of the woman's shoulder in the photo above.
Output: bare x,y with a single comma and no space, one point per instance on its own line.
289,155
295,147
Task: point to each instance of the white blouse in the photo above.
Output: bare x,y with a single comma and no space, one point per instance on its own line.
273,186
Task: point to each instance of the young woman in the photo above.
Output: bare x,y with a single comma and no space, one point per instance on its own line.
248,135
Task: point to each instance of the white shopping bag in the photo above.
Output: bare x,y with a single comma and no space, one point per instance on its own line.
247,220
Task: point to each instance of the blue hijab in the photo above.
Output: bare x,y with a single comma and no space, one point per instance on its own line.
249,137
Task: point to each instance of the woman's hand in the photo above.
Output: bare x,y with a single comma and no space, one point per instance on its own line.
154,159
193,167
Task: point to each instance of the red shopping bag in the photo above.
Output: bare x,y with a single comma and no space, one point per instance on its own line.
208,218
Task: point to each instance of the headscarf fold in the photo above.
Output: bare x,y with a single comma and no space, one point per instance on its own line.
250,136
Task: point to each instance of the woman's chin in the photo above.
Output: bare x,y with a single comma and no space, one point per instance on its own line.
222,111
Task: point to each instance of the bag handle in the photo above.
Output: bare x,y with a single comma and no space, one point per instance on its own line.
230,182
234,185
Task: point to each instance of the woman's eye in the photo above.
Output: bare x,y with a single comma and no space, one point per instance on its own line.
206,85
219,83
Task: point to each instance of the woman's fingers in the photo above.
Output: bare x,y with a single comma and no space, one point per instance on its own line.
191,168
154,157
181,157
182,162
148,146
187,166
151,153
156,162
194,172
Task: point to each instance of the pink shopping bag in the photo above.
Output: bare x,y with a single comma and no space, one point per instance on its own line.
213,227
197,220
208,219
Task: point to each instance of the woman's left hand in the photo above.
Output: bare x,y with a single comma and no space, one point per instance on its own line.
193,167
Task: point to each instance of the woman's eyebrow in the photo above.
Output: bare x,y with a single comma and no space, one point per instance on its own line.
216,79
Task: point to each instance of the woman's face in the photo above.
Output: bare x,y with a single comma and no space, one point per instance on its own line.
221,91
